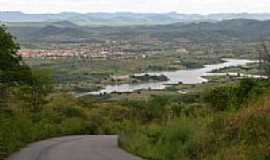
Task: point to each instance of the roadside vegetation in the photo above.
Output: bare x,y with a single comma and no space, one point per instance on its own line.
229,122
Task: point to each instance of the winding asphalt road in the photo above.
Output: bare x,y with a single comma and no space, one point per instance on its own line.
75,148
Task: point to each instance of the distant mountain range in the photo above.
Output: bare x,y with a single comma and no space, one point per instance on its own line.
221,31
122,18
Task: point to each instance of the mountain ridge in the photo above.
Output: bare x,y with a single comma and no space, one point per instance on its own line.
126,18
227,30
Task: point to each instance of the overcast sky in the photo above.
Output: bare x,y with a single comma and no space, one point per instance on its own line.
157,6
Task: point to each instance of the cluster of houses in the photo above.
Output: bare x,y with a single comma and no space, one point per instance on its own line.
65,53
89,51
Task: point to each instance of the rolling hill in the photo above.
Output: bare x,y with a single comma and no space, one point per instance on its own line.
123,18
227,30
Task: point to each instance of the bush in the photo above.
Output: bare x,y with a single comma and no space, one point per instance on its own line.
242,135
234,97
221,98
176,140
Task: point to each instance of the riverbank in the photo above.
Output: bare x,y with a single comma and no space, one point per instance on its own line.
191,76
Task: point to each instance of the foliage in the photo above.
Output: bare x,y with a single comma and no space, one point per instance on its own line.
161,128
12,69
227,124
176,140
42,85
239,130
233,97
264,58
242,135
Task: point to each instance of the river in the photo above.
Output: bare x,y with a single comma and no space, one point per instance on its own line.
189,76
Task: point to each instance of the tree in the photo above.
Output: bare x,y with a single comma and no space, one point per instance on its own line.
264,59
41,86
13,71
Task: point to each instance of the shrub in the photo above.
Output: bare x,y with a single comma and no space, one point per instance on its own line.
221,98
177,140
234,97
242,135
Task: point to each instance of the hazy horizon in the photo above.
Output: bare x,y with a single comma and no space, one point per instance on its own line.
137,6
133,12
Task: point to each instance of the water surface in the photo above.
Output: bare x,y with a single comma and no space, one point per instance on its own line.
190,76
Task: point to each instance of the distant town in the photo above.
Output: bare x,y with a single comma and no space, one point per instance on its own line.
93,51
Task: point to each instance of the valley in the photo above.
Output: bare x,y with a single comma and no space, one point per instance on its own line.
171,86
92,60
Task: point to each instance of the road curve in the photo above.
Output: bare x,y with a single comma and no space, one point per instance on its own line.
75,148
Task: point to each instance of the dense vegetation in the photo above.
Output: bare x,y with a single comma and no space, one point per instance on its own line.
163,127
230,122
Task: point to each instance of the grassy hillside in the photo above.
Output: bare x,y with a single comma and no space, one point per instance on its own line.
227,128
232,124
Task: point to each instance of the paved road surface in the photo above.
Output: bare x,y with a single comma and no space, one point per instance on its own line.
75,148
